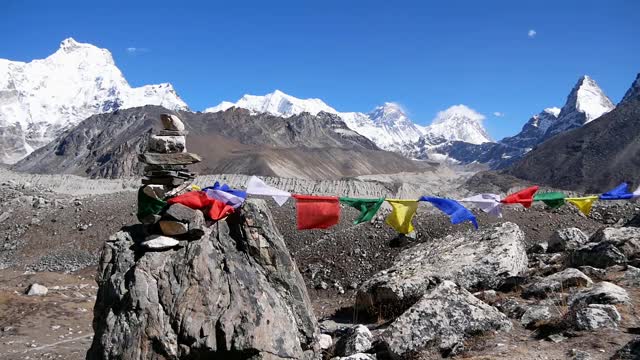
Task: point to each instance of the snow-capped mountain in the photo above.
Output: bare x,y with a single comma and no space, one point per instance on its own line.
459,123
585,103
387,125
40,98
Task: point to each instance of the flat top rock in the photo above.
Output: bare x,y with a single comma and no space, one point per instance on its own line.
601,293
169,159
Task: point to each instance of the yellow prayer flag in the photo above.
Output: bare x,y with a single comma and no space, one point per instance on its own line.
583,203
402,214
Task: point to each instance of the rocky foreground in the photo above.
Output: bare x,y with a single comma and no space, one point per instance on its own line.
538,284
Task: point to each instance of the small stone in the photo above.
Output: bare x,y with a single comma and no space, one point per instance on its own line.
632,276
488,296
357,340
171,122
540,248
37,290
557,282
325,341
322,285
556,338
159,242
535,314
172,228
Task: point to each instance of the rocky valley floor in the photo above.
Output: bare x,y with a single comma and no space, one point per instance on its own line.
53,238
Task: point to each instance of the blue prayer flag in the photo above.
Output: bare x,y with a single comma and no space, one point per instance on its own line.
456,212
621,192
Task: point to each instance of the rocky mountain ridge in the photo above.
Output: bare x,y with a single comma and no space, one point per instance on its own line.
233,141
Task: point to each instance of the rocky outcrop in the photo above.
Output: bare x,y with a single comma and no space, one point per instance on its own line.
233,294
443,318
475,260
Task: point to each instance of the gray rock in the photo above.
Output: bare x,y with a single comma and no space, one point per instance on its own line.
159,242
443,318
154,191
557,282
171,122
357,357
631,351
216,297
488,296
601,293
632,276
193,218
626,239
539,248
600,255
183,158
167,144
556,338
536,314
512,308
36,290
475,260
357,339
567,239
579,355
592,272
594,316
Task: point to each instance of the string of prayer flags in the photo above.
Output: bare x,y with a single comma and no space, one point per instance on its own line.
402,214
553,200
523,197
218,210
255,186
232,197
584,204
621,192
489,203
317,212
456,212
368,207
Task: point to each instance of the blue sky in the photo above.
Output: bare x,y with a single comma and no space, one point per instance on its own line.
425,55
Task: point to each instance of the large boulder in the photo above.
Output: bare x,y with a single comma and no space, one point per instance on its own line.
594,316
475,260
599,255
556,283
566,239
443,318
631,351
601,293
626,239
233,294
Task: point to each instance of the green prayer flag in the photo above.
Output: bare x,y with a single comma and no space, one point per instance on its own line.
368,207
148,205
552,199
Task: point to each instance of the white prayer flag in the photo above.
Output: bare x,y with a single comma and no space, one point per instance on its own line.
489,203
255,186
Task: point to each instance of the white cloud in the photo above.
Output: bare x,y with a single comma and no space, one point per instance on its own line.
137,50
498,114
532,33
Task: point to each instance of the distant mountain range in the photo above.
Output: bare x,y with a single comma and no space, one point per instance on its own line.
43,104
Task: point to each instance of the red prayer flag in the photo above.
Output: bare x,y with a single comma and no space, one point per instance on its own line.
524,197
219,210
199,200
194,199
317,212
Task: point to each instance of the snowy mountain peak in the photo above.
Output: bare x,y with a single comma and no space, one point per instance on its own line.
276,103
634,91
388,113
588,98
40,98
459,123
585,103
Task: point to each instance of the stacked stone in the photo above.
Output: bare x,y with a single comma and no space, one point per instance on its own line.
166,175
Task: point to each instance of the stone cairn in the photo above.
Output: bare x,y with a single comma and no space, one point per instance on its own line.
166,175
